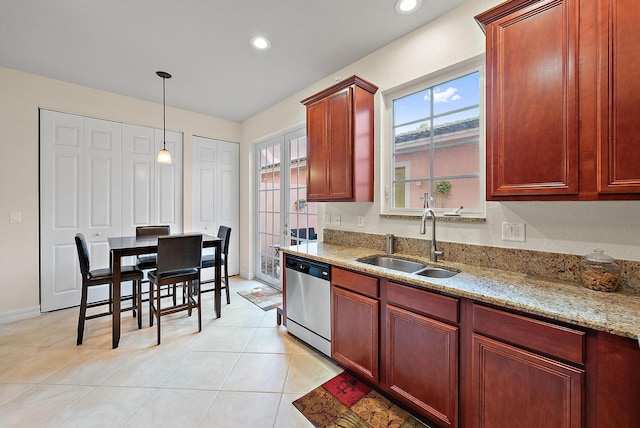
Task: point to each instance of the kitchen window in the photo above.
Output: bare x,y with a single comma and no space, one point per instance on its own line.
437,144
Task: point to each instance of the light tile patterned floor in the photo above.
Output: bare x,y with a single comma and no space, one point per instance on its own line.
242,370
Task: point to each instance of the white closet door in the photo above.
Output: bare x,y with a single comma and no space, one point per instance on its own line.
80,158
168,190
216,184
138,174
152,193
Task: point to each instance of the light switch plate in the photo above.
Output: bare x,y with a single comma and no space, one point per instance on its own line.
327,219
513,231
361,221
15,217
338,220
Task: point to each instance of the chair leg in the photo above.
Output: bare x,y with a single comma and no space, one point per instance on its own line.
82,315
134,298
151,308
139,303
226,283
159,311
199,307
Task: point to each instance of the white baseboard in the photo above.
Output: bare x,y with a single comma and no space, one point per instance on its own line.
19,314
247,275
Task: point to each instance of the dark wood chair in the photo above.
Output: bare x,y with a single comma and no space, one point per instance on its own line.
148,261
208,261
91,278
178,262
300,235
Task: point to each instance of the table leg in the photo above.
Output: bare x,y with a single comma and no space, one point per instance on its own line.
115,321
218,282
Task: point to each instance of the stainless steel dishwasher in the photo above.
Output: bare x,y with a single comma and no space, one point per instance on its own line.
308,299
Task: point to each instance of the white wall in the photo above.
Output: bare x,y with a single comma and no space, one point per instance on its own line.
563,227
21,96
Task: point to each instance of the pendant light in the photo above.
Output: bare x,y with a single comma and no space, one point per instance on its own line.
163,155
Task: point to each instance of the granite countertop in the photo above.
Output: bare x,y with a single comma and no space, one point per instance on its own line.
616,313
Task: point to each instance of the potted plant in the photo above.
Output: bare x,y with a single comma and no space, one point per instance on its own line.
443,192
300,204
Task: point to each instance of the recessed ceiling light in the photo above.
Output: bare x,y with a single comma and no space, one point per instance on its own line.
407,6
260,43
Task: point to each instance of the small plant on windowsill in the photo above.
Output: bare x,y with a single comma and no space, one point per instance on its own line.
300,204
443,192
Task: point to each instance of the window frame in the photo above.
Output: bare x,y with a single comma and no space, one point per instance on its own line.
475,64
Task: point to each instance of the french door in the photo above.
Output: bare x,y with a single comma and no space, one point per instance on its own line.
284,217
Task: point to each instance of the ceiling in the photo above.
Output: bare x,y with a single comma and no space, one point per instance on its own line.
118,45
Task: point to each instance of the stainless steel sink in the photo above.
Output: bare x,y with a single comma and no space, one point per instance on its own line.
393,263
408,266
432,272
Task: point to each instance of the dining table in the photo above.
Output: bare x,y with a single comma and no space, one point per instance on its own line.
125,246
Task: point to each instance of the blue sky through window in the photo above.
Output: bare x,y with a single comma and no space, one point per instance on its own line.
448,96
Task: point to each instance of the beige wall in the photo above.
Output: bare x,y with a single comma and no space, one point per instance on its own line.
21,96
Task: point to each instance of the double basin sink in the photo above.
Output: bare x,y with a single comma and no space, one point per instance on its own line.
408,266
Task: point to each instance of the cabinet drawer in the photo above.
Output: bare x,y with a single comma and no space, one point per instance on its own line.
540,336
424,302
363,284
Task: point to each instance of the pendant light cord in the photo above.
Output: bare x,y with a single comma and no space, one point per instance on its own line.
164,76
164,115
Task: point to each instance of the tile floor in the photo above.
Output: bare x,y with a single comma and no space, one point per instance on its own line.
242,370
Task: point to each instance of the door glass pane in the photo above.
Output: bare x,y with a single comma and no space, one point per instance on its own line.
284,215
268,159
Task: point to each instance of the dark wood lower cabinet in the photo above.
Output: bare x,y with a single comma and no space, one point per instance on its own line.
460,363
517,388
355,332
422,364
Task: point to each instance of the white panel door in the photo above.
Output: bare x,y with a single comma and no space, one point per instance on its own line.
138,174
168,206
79,192
61,208
152,193
216,185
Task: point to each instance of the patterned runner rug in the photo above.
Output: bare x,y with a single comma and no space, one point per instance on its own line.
263,296
346,402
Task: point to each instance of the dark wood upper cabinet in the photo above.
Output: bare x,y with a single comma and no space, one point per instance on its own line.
561,91
340,142
532,99
619,95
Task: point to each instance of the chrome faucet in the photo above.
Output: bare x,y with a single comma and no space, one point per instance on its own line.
434,253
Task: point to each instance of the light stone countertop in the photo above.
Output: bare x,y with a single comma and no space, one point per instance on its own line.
616,313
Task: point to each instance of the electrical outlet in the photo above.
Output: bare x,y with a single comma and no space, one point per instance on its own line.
361,221
327,219
338,220
513,232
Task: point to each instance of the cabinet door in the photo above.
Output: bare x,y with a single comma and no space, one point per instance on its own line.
516,388
354,332
340,145
422,364
619,151
532,109
317,161
330,147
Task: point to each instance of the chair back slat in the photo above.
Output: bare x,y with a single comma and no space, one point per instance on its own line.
179,252
83,254
154,230
224,233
